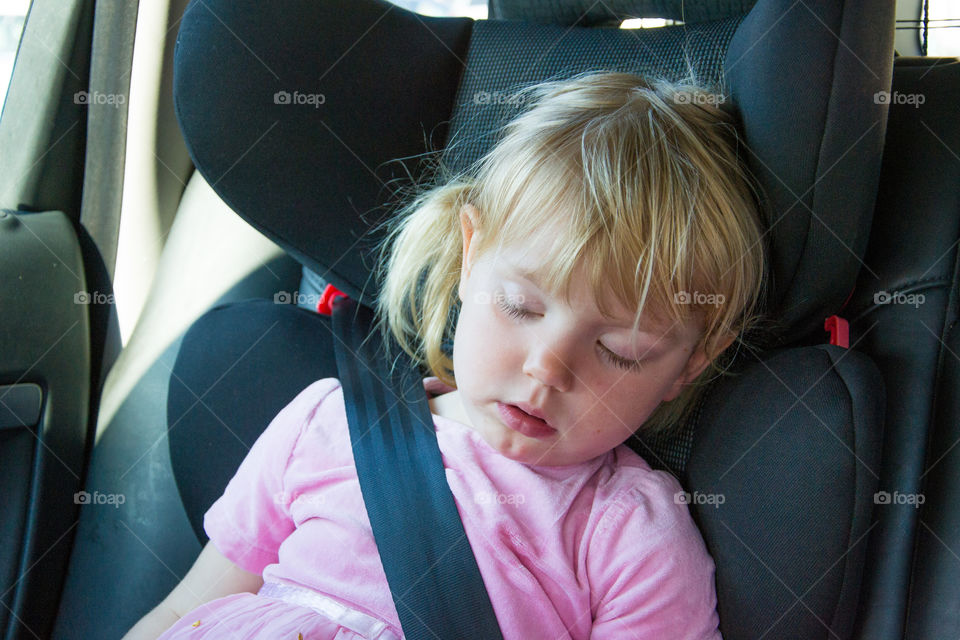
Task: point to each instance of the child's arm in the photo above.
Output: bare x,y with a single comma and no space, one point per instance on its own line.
212,576
153,624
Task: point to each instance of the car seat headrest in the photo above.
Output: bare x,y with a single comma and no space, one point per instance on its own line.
295,117
588,13
306,121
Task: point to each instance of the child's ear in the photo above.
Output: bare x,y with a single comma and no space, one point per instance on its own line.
468,226
695,366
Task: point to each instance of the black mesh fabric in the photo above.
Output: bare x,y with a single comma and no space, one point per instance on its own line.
505,56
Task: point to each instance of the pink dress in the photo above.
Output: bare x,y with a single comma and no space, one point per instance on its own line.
600,550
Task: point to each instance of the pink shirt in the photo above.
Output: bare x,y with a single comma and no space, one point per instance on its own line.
595,550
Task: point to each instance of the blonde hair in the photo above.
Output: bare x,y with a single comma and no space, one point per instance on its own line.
656,207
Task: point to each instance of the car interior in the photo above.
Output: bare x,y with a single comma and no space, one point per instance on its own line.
181,180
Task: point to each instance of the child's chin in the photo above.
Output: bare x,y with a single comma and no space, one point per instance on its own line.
528,451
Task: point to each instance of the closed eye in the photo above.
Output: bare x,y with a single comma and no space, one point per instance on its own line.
510,310
624,363
618,361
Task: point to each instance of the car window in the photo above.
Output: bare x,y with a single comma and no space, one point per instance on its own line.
476,9
12,14
940,28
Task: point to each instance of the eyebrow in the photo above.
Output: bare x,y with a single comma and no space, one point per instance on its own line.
528,275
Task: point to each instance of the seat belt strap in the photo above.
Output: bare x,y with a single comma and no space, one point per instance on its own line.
433,575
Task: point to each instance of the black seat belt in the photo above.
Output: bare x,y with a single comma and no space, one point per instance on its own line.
433,576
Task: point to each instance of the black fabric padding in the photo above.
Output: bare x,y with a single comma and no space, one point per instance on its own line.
613,12
304,174
814,134
935,584
238,366
792,442
913,252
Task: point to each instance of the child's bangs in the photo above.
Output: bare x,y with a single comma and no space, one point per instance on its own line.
643,195
520,206
640,260
664,239
631,237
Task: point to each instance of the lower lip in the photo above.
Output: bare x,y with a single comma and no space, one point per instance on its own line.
523,422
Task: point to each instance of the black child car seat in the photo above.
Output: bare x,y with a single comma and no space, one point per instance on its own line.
792,441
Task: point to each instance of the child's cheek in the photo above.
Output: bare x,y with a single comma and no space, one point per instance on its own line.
471,346
486,342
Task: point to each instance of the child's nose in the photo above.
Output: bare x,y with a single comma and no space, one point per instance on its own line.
547,362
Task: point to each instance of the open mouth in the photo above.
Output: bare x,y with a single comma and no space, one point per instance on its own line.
522,422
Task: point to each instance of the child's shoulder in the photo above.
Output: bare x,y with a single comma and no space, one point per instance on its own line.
649,497
321,388
314,407
315,395
318,391
319,410
316,420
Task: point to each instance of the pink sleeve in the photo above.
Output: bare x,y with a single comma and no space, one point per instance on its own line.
252,518
655,578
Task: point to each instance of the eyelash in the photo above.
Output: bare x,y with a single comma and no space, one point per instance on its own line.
623,363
